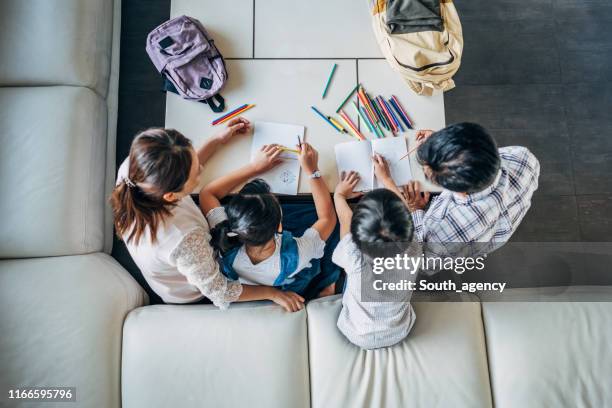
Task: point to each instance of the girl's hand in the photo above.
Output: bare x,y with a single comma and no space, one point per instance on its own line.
422,135
309,158
290,301
414,199
267,158
235,126
347,184
381,168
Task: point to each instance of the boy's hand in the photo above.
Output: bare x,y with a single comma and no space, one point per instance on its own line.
267,158
422,135
381,168
414,199
235,126
290,301
309,158
347,184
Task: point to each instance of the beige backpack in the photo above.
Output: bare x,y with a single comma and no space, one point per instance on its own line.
426,60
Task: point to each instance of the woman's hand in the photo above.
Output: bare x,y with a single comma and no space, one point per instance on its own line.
235,126
412,194
290,301
348,181
422,135
267,158
381,168
309,158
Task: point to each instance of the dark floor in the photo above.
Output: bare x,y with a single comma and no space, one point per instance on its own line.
536,73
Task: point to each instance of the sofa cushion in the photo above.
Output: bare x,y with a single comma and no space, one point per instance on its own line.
442,362
61,325
553,351
200,356
52,171
56,42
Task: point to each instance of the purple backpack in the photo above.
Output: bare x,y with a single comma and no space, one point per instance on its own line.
187,58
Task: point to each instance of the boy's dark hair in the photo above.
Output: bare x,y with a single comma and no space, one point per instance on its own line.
254,215
462,158
379,218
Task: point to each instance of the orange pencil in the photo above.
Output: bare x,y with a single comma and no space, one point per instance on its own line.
234,114
350,124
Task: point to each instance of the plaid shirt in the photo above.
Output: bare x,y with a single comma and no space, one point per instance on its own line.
489,216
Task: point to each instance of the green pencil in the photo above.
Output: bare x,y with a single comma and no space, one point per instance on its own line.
347,98
331,74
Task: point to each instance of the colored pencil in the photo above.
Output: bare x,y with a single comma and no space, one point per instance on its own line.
399,113
397,102
364,113
363,117
383,119
338,125
299,141
347,98
231,114
351,132
331,74
366,105
377,111
351,125
395,119
388,115
324,118
286,149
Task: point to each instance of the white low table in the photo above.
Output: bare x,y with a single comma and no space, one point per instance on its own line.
283,88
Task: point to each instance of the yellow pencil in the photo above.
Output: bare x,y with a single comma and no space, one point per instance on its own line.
336,124
286,149
352,131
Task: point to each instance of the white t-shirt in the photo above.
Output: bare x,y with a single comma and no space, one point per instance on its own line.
369,325
310,246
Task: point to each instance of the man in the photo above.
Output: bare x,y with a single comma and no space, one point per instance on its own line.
487,191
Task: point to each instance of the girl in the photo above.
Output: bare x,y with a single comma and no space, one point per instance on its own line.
250,235
379,219
165,232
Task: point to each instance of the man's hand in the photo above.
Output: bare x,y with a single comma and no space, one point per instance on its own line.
381,168
267,158
235,126
290,301
413,197
347,184
422,135
309,158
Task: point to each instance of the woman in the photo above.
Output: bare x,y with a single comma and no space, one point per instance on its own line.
164,230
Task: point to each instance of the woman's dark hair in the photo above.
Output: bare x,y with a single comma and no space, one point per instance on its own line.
253,217
159,162
462,157
380,218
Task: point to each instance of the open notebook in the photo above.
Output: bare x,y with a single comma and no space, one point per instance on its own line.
357,156
284,178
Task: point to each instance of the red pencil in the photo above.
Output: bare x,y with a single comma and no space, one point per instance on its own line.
232,113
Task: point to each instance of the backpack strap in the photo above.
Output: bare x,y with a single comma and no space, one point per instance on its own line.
227,262
289,257
215,107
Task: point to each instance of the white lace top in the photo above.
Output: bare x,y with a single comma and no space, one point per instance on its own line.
180,266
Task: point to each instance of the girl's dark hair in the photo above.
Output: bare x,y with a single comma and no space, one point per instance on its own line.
380,218
254,215
462,157
159,162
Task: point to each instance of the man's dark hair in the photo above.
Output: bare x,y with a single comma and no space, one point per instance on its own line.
462,157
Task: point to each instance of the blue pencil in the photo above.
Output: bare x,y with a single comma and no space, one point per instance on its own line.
395,117
324,118
400,113
331,74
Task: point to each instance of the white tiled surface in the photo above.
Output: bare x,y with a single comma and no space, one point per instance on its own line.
283,91
229,22
314,29
303,33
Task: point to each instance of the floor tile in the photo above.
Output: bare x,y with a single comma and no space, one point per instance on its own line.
506,106
550,219
589,104
592,157
378,78
552,148
314,29
595,214
283,91
229,23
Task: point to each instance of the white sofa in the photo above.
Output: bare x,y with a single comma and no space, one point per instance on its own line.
72,316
